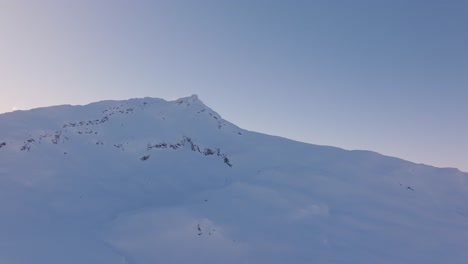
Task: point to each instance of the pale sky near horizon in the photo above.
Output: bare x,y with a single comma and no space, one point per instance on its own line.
384,75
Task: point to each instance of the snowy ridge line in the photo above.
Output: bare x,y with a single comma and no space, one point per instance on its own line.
59,135
194,147
111,111
123,108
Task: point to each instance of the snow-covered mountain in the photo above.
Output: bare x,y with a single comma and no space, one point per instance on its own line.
155,181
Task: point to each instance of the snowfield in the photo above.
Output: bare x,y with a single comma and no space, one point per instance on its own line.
154,181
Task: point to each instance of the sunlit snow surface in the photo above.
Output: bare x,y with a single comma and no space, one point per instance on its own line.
152,181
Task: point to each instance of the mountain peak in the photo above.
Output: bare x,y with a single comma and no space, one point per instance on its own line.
153,181
189,100
193,97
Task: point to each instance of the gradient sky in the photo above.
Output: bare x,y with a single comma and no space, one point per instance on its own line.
388,76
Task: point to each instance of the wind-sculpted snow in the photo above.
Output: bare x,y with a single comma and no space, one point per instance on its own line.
154,181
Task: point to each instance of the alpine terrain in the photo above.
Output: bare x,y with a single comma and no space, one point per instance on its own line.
154,181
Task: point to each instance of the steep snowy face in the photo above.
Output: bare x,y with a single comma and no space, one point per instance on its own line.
154,181
66,169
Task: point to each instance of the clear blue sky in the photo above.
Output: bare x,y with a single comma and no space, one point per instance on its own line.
389,76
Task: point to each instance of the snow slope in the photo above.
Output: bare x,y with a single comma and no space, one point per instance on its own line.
154,181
